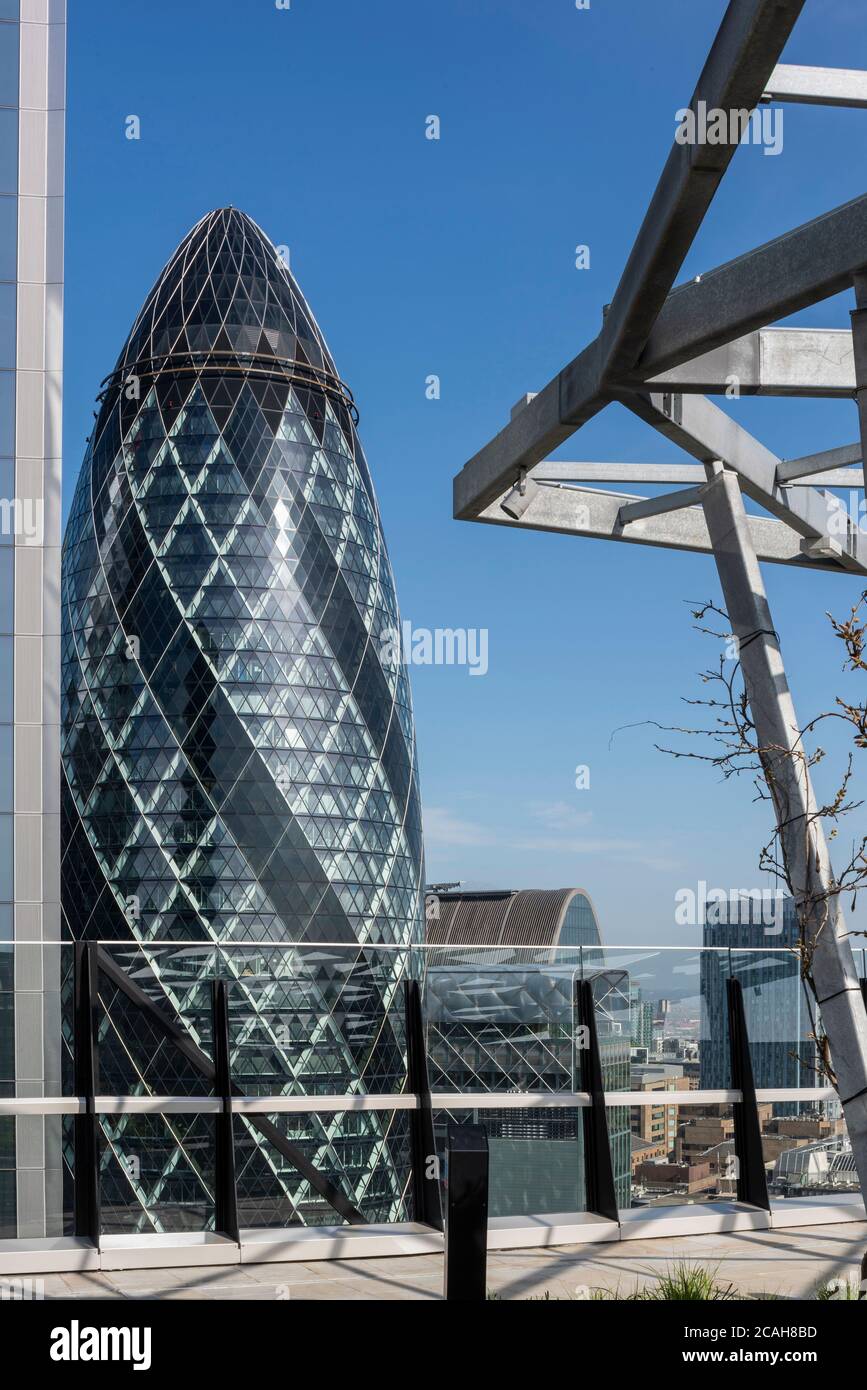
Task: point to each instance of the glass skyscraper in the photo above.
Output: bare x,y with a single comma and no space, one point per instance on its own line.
780,1022
32,102
238,746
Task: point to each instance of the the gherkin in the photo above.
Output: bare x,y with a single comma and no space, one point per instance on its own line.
238,747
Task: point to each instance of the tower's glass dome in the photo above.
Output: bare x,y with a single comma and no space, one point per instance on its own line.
239,759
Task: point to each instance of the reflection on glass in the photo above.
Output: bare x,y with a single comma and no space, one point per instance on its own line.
8,297
9,64
5,767
7,1024
157,1173
536,1158
8,1222
358,1153
7,418
5,859
6,591
279,1003
8,151
6,680
503,1026
505,1021
7,492
8,237
760,952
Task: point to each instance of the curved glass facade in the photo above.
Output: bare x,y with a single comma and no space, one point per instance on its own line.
239,758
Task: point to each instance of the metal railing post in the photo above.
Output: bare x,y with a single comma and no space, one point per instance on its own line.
466,1232
86,1070
225,1187
601,1193
751,1176
427,1203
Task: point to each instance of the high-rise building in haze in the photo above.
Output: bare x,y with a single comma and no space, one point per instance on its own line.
760,953
640,1018
238,750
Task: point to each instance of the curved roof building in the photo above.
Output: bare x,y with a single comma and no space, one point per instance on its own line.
238,749
544,917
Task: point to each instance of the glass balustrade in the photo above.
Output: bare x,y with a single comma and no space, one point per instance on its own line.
326,1121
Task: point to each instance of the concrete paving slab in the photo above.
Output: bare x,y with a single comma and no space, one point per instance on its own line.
788,1263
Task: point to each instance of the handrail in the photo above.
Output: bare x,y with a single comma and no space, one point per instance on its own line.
188,947
440,1100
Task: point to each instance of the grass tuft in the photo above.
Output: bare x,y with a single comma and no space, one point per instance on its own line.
685,1283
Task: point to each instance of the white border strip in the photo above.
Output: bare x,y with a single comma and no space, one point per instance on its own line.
440,1100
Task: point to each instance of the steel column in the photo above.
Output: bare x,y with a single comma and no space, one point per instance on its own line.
86,1069
601,1193
466,1233
751,1177
425,1181
802,835
225,1188
859,344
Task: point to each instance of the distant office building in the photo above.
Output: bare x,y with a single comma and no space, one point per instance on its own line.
702,1130
640,1019
657,1124
646,1151
502,1019
32,102
675,1180
778,1018
827,1166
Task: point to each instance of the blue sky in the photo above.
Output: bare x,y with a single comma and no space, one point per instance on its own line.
457,258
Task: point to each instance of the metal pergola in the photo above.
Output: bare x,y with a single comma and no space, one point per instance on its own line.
661,352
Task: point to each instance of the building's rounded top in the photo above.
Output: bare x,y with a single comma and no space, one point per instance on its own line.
227,301
237,738
544,917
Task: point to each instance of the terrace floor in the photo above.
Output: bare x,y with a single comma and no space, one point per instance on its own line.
784,1263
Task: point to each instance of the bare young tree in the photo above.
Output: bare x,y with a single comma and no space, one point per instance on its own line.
731,745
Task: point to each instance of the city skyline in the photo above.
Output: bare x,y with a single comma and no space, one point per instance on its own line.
398,892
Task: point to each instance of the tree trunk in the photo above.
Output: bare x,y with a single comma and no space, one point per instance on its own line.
802,836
